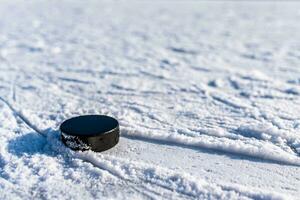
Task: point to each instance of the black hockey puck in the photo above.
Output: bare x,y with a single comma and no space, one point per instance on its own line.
90,132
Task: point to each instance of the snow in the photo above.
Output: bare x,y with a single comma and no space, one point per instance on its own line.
206,93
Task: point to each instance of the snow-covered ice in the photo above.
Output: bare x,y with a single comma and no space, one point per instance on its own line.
207,95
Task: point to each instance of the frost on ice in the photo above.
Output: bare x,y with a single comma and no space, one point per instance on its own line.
207,95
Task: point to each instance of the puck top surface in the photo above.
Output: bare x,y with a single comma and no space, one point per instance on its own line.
89,125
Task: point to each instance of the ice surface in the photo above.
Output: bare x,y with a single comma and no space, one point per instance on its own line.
206,93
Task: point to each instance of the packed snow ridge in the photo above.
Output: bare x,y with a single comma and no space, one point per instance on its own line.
194,85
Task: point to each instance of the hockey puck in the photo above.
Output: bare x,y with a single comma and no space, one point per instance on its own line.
90,132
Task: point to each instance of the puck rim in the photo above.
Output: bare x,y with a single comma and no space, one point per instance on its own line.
61,127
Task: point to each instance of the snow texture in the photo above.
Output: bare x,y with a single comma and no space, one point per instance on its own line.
207,95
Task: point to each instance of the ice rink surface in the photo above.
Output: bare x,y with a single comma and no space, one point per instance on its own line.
207,94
